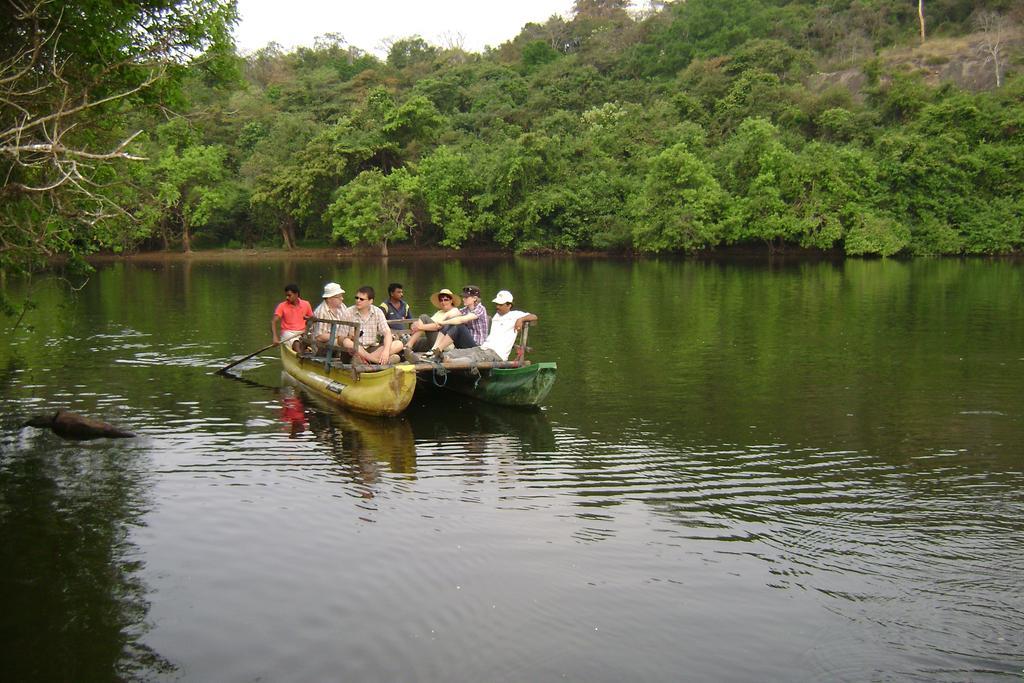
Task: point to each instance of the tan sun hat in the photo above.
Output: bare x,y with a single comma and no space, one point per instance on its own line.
332,289
435,298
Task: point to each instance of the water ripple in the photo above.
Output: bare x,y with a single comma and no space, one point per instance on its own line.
441,523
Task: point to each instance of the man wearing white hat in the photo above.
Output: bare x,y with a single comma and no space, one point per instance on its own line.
505,325
332,308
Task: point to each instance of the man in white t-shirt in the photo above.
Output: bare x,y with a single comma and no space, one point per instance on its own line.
505,325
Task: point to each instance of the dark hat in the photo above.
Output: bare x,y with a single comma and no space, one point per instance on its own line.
471,290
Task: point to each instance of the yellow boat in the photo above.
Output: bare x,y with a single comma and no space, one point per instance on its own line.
386,391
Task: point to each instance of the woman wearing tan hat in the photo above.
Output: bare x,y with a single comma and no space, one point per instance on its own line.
424,330
332,308
466,330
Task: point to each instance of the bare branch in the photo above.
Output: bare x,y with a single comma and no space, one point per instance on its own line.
57,150
63,113
994,28
56,85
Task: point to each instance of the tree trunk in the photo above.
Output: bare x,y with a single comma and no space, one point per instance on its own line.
186,238
291,234
384,248
920,17
288,232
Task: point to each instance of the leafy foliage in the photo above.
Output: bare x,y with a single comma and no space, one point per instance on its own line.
76,79
374,208
694,126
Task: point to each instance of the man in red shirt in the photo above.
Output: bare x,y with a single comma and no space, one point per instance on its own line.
291,315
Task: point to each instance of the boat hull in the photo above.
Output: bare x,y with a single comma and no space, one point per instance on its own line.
525,386
383,392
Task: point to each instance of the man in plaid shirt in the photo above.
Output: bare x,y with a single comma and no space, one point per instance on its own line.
376,343
466,330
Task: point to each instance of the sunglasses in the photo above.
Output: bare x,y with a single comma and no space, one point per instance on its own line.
444,298
362,298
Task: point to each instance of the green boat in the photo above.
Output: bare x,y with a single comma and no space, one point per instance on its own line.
523,384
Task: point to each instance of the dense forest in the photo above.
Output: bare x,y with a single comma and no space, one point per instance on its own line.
681,127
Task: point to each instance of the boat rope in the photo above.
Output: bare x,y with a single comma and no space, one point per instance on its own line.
439,371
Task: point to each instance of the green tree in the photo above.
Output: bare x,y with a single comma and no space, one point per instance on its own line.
757,165
681,205
70,73
447,185
876,233
995,227
410,51
538,53
333,157
515,204
275,177
414,122
677,128
827,189
190,189
771,56
374,209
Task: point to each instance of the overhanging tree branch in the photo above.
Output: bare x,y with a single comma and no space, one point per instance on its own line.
70,71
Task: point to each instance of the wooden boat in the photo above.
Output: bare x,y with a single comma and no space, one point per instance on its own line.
372,390
518,382
521,384
388,389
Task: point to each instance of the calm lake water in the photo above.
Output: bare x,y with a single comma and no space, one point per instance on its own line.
745,472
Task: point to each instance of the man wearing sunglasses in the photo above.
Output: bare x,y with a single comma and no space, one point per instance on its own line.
376,344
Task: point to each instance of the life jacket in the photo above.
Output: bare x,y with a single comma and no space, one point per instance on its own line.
392,313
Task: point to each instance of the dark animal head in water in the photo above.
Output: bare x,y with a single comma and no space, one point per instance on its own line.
42,420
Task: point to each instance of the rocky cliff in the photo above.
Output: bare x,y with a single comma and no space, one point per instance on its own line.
964,62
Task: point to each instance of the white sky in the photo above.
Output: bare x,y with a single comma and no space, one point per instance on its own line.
367,23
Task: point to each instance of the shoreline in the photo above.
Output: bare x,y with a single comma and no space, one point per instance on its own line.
409,252
758,253
277,253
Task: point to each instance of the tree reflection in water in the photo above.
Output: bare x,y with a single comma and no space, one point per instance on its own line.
359,444
74,608
489,429
366,447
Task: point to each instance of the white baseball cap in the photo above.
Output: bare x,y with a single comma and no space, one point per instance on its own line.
503,297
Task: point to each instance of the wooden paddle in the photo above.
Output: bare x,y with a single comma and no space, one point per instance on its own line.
242,360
